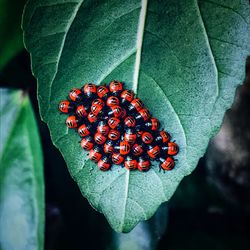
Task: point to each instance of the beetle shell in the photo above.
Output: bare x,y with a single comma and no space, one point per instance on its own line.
114,122
168,164
114,135
98,101
112,101
136,104
96,109
137,149
81,111
127,96
130,164
102,91
115,86
143,164
95,154
153,152
75,94
108,147
104,164
65,106
87,143
89,89
147,138
103,128
84,130
99,138
92,118
130,136
124,148
72,122
173,148
117,158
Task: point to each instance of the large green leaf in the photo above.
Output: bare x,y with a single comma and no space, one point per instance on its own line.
21,175
192,58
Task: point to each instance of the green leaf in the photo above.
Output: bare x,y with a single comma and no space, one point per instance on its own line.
21,174
10,29
192,59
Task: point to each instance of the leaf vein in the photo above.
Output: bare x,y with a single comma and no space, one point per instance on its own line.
210,52
158,177
171,50
62,47
227,42
227,7
171,106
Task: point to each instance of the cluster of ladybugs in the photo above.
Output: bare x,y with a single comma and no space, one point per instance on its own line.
115,127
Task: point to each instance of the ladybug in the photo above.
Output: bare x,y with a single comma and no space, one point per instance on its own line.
82,111
153,151
87,143
114,135
92,117
66,106
112,101
102,92
75,95
117,158
96,109
104,164
143,164
167,163
143,115
115,111
114,123
84,130
108,147
124,148
127,96
99,138
135,105
130,163
129,121
172,148
89,90
95,154
115,86
153,124
98,101
72,122
147,138
103,128
130,136
162,137
137,149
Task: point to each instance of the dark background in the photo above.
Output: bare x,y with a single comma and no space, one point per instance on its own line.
210,209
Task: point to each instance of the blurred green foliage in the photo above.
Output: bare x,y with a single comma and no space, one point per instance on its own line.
11,41
21,174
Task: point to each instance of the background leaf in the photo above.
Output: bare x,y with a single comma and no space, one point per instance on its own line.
10,29
21,175
192,59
